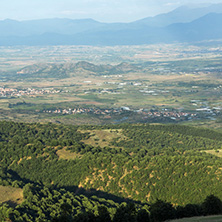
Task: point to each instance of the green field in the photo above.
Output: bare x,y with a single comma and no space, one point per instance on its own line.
217,218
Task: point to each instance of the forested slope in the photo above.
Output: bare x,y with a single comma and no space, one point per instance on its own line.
141,163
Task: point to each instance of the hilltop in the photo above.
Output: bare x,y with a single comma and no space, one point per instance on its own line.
54,70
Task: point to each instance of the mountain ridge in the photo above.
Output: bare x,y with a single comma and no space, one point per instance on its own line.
182,14
183,24
50,70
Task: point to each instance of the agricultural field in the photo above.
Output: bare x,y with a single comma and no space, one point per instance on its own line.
101,85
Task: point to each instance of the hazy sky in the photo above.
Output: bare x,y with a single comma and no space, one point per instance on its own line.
100,10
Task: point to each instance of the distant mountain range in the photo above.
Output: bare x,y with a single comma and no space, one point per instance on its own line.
183,24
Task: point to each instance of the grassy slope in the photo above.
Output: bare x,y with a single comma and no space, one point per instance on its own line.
118,176
11,195
217,218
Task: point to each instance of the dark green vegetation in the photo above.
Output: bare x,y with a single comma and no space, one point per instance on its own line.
65,169
44,204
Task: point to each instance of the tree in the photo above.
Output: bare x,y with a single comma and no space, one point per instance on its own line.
103,215
212,205
85,217
190,210
27,191
125,213
143,216
161,211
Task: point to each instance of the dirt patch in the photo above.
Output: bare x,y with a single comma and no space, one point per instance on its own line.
27,158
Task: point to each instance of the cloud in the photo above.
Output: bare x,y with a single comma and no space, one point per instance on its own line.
172,4
73,12
102,10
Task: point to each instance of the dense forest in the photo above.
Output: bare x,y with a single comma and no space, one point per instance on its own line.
58,205
78,172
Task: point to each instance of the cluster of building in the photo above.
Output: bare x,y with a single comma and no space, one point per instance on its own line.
9,92
96,111
204,107
174,115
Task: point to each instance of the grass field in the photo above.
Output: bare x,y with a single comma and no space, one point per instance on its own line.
212,124
11,195
217,153
216,218
102,138
67,155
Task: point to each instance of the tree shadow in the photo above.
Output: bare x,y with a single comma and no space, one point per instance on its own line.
10,203
74,189
100,194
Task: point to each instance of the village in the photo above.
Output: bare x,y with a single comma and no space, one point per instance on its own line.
12,92
126,111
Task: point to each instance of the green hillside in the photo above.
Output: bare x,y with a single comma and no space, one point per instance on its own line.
142,163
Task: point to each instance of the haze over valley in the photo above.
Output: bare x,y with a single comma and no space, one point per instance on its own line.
184,24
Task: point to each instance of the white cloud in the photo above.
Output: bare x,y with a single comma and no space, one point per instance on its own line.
172,3
73,12
102,10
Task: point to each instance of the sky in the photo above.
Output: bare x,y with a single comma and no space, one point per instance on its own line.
100,10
